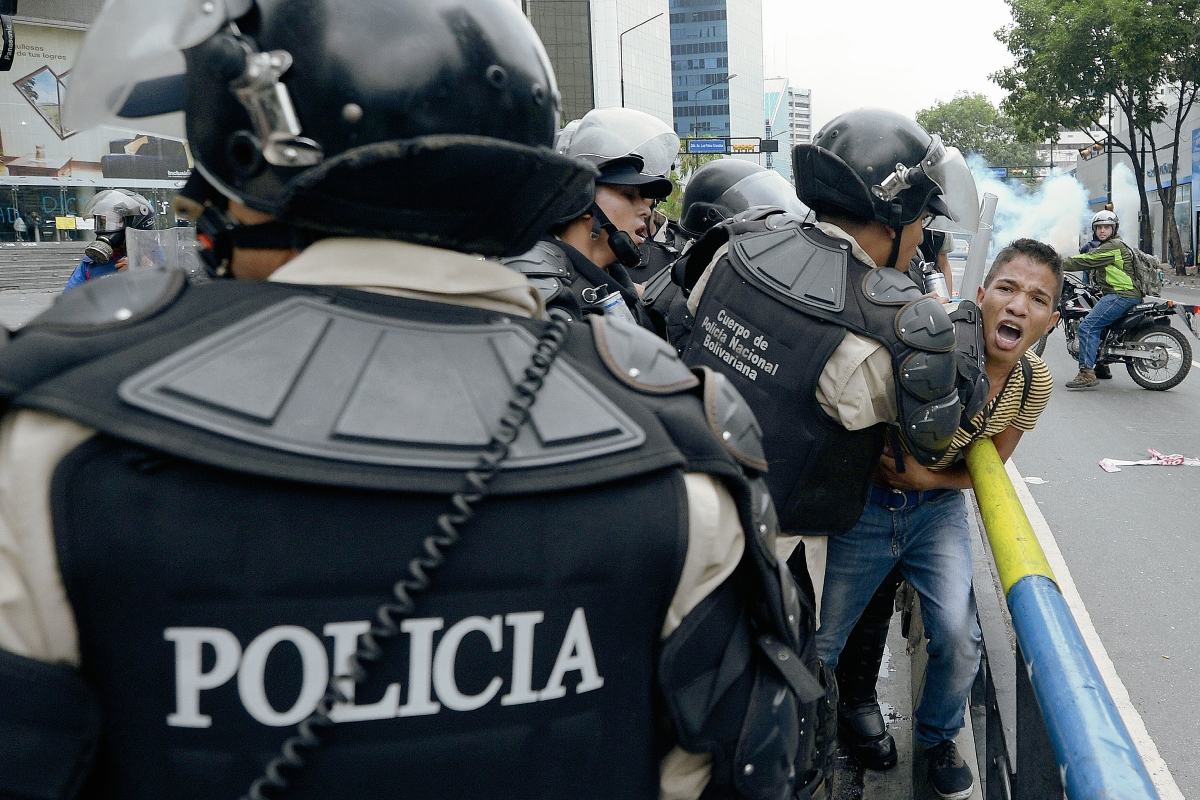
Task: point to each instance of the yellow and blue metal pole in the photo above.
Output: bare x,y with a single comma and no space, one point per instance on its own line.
1094,751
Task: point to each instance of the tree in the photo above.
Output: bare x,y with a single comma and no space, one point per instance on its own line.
972,124
672,207
1071,56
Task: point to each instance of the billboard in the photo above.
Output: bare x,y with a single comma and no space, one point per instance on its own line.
35,144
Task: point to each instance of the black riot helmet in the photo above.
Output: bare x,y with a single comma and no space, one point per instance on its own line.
728,186
423,120
872,164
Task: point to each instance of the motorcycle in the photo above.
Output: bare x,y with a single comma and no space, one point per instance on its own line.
1156,355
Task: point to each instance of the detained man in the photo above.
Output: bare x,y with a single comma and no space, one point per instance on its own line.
916,520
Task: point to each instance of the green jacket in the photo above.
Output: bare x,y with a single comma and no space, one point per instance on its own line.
1112,265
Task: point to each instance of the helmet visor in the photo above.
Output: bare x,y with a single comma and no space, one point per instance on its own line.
767,188
606,134
957,206
140,83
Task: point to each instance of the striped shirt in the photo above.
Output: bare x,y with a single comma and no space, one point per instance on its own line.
1007,408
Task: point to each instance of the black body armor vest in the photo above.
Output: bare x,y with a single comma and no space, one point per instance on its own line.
774,310
571,285
270,458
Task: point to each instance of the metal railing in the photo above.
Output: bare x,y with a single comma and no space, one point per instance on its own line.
1074,717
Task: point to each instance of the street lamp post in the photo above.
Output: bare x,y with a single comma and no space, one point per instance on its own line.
621,51
696,96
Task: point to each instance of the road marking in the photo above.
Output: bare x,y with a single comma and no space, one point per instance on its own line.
1194,364
1159,773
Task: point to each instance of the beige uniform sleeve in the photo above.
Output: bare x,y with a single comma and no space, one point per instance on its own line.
36,620
715,547
856,387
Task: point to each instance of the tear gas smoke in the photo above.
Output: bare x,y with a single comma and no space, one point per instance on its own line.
1125,201
1056,212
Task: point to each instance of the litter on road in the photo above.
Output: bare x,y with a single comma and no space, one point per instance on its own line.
1156,459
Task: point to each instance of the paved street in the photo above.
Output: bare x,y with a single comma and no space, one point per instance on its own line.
18,306
1131,539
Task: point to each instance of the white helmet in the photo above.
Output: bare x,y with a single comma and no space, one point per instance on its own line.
1105,217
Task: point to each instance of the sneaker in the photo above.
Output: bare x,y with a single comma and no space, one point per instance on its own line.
1086,379
1103,372
948,773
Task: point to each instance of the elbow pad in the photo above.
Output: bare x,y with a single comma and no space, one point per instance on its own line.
49,725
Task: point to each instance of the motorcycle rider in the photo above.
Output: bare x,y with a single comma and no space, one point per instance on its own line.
811,323
113,211
265,457
581,267
1112,267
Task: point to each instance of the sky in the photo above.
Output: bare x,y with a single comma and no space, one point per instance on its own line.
903,55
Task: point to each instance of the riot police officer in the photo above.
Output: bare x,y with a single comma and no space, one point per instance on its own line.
583,267
717,191
338,498
832,345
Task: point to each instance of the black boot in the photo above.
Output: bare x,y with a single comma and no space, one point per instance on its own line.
860,723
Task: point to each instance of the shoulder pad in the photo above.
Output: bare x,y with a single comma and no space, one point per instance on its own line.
971,358
793,265
543,261
404,393
889,287
732,421
638,358
924,324
112,301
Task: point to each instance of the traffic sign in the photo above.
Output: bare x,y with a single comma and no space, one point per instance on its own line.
707,146
999,173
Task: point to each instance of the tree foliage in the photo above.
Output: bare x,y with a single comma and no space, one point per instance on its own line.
1071,56
972,124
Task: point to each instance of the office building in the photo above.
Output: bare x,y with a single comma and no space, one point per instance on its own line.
595,46
788,120
717,67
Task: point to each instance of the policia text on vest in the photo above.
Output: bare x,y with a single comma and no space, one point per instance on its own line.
732,342
431,670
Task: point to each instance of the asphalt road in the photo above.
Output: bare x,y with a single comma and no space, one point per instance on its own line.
1131,539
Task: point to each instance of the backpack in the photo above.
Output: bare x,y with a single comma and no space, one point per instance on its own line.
1147,273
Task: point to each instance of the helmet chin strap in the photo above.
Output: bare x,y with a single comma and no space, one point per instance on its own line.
896,209
620,242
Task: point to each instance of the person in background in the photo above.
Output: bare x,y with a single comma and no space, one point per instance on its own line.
114,211
19,228
1112,267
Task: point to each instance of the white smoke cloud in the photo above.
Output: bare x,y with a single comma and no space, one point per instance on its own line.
1125,200
1056,212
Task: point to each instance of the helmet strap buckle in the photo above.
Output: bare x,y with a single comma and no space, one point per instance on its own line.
269,104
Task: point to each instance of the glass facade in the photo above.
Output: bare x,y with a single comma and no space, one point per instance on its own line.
710,41
565,29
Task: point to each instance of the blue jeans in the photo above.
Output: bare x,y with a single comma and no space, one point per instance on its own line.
932,545
1110,309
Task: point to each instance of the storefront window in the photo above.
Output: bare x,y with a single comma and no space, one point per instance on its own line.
48,172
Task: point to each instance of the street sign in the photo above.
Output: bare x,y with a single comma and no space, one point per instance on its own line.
707,146
745,147
999,173
770,145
